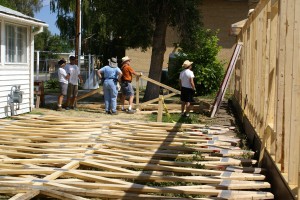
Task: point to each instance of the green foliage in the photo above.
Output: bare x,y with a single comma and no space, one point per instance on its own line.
8,4
197,156
27,7
110,27
35,112
193,119
52,84
131,23
207,68
50,44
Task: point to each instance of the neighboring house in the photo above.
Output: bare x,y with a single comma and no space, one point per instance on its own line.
217,15
16,61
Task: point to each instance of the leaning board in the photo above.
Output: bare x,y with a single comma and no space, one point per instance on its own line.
226,79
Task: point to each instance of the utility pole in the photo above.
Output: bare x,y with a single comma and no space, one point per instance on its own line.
78,32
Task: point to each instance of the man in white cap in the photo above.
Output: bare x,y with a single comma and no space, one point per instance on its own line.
126,86
111,74
187,87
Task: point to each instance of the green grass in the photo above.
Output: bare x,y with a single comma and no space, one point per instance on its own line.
177,118
36,112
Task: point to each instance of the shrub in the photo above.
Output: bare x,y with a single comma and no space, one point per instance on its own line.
52,84
207,68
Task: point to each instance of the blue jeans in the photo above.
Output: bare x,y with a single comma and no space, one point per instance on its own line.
110,95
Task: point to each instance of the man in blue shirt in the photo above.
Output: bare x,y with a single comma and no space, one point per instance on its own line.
111,75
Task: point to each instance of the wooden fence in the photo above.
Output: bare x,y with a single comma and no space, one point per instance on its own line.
267,81
139,105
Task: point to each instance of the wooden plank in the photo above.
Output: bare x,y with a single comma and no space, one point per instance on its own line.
288,84
293,159
267,134
70,165
137,92
160,109
98,189
160,84
108,163
224,85
172,189
161,155
202,141
270,118
92,92
181,148
105,167
221,164
280,84
155,100
62,195
195,144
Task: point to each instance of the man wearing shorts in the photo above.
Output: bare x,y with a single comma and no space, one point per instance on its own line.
74,72
187,87
126,86
63,83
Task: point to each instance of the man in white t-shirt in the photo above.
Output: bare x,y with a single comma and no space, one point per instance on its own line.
63,83
187,87
74,72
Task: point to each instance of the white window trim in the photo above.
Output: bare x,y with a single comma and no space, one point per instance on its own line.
5,41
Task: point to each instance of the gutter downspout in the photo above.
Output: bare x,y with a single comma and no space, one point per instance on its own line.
41,28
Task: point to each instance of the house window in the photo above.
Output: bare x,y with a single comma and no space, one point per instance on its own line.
16,44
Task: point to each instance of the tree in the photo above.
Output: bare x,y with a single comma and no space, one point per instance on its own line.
133,23
202,49
51,44
27,7
143,23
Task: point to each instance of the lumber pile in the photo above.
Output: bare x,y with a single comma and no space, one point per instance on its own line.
75,158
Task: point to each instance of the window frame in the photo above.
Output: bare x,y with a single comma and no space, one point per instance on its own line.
19,47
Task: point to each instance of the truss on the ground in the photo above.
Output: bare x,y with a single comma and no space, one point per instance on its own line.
75,158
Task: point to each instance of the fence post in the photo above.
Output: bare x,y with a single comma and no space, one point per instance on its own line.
137,99
89,72
160,108
37,65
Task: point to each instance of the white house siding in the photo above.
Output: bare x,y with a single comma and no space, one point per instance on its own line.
14,74
9,78
17,74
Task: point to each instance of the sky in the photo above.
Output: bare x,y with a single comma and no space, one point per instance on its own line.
47,16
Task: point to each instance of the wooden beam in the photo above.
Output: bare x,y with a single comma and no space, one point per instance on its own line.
92,92
160,84
160,109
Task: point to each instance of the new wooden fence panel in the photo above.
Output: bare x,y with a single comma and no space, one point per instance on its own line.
288,80
272,73
280,83
295,92
267,80
266,75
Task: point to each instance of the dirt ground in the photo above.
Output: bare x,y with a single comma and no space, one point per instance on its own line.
94,111
90,107
93,107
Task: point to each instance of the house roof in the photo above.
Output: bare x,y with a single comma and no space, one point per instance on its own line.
9,12
236,27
